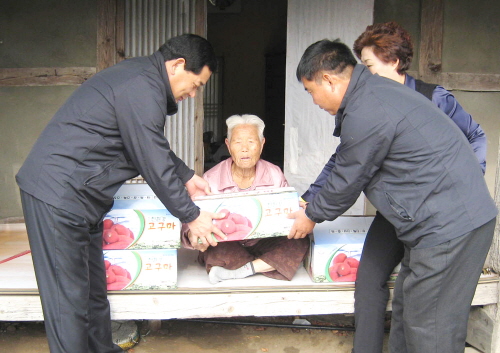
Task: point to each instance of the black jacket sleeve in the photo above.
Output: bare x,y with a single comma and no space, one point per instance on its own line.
365,141
141,111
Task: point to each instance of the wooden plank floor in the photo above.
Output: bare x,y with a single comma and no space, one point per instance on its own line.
195,297
16,265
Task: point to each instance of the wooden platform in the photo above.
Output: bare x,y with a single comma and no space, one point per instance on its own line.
195,297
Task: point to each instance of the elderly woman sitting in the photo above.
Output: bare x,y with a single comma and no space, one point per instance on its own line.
278,257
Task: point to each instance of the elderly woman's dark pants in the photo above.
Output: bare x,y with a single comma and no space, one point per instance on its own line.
283,254
69,268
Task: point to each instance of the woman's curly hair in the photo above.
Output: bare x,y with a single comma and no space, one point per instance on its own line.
389,42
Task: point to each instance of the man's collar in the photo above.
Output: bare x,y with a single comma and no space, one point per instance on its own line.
172,105
358,73
410,82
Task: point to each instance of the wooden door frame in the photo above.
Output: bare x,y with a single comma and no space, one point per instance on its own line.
430,56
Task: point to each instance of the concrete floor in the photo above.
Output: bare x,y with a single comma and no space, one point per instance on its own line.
182,336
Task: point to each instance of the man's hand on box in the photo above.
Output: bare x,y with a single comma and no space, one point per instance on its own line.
201,230
302,225
197,186
195,243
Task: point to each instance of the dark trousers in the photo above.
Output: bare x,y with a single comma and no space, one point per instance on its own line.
382,251
283,254
69,268
434,291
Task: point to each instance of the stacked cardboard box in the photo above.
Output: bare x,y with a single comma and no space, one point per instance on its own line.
140,241
336,249
141,238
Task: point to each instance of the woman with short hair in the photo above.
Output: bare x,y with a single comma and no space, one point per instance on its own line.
275,257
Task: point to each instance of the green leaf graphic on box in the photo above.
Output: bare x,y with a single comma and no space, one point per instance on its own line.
137,272
142,223
213,235
327,268
259,217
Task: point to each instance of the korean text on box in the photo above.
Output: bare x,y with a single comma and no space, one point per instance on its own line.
138,220
141,269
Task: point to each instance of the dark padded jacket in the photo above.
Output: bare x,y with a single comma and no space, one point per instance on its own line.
110,130
412,162
445,101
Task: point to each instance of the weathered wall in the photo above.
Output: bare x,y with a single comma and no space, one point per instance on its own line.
62,33
48,33
38,33
471,44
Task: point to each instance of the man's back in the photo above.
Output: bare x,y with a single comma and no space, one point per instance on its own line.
413,163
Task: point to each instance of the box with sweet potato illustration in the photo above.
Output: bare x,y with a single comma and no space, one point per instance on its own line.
253,214
141,269
138,220
336,249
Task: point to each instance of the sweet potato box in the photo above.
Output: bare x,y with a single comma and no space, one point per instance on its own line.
138,220
253,214
336,249
141,269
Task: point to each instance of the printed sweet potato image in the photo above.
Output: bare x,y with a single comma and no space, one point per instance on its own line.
117,278
116,236
343,268
234,225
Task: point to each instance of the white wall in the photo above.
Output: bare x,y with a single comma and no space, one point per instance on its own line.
309,142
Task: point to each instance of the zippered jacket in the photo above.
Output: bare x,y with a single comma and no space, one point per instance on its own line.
445,101
412,162
109,130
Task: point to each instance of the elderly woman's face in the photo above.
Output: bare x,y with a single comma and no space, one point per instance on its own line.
245,146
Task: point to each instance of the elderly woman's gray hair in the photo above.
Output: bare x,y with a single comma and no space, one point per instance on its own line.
245,119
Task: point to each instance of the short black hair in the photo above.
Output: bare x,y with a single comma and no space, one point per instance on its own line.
196,50
325,55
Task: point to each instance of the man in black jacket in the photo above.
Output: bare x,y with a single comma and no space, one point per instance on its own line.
418,170
108,131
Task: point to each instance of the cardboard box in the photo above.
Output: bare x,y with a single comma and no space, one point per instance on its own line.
141,269
138,220
253,214
136,196
336,249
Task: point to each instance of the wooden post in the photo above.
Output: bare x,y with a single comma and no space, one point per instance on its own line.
106,35
431,39
494,262
200,29
483,331
120,31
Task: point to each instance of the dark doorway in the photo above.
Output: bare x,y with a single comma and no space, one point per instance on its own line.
249,36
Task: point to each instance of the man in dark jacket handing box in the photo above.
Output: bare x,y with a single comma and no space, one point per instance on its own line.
417,168
108,131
